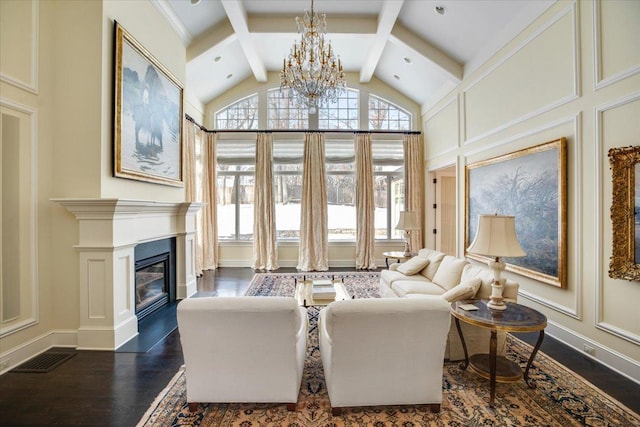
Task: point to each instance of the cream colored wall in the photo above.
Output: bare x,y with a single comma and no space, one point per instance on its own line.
341,254
145,23
56,75
562,77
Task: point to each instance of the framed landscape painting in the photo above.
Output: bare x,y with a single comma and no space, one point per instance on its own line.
625,213
148,115
530,184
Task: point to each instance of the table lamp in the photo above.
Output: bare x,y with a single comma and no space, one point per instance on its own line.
407,222
496,237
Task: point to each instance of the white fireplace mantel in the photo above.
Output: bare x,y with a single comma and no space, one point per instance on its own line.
109,230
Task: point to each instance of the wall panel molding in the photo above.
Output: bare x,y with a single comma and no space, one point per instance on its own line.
574,157
572,9
601,269
31,85
32,318
599,80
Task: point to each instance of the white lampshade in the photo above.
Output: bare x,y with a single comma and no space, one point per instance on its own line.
408,221
496,237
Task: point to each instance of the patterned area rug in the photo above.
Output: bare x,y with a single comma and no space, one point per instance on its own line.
560,398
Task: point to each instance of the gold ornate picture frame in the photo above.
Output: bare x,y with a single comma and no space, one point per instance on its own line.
625,213
530,184
148,115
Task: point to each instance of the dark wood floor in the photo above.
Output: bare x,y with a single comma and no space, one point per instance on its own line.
100,388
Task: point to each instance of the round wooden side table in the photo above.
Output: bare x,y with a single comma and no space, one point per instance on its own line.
516,318
398,255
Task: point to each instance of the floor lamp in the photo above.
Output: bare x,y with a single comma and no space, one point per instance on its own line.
496,237
407,222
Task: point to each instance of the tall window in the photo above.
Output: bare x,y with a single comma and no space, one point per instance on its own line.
386,116
341,188
287,191
236,162
235,188
388,174
282,112
241,115
343,114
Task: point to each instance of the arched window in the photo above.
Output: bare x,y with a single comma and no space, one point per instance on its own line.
386,116
343,114
240,115
282,112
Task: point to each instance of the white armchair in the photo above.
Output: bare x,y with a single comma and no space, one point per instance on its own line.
243,349
384,351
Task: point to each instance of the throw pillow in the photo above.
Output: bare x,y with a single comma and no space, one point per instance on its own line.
465,290
413,266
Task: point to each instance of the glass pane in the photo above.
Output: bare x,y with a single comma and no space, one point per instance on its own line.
283,113
343,114
397,204
225,193
241,115
287,192
381,211
245,206
385,116
341,197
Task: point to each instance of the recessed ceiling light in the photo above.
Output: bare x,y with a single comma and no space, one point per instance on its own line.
440,10
397,77
217,58
229,75
407,60
194,2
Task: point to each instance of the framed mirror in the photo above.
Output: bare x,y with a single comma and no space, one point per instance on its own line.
625,213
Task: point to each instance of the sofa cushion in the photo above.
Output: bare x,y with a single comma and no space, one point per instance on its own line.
476,271
404,287
434,258
391,276
413,266
465,290
449,272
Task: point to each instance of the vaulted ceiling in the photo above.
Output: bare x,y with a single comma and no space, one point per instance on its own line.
407,44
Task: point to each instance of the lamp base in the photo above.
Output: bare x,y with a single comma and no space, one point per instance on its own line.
496,302
493,304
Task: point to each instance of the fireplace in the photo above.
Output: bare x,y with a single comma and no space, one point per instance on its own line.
155,276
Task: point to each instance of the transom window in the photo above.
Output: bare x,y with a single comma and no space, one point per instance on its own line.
343,114
283,113
385,116
240,115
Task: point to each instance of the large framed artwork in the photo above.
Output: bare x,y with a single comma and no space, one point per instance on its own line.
147,117
530,184
625,213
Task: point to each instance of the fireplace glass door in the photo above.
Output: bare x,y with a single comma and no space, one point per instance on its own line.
152,288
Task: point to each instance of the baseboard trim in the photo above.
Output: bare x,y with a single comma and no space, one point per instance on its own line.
610,358
20,354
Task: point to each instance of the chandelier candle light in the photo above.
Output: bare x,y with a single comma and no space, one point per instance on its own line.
312,73
407,222
496,237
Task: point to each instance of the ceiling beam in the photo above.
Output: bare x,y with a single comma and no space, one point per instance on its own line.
402,36
238,18
386,21
217,36
286,24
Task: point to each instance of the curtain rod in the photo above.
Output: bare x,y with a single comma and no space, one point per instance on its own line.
376,131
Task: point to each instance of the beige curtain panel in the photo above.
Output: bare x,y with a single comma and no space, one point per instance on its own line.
200,186
265,253
414,184
314,247
365,204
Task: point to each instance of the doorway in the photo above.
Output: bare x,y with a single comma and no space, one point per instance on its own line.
444,209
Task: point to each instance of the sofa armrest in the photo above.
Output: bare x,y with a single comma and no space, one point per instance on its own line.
394,266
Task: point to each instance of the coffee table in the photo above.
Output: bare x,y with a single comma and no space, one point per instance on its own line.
516,318
304,292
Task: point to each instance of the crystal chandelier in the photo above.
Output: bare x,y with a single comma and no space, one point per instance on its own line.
312,73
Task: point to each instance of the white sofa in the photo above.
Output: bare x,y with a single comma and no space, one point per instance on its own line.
433,274
243,349
378,351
